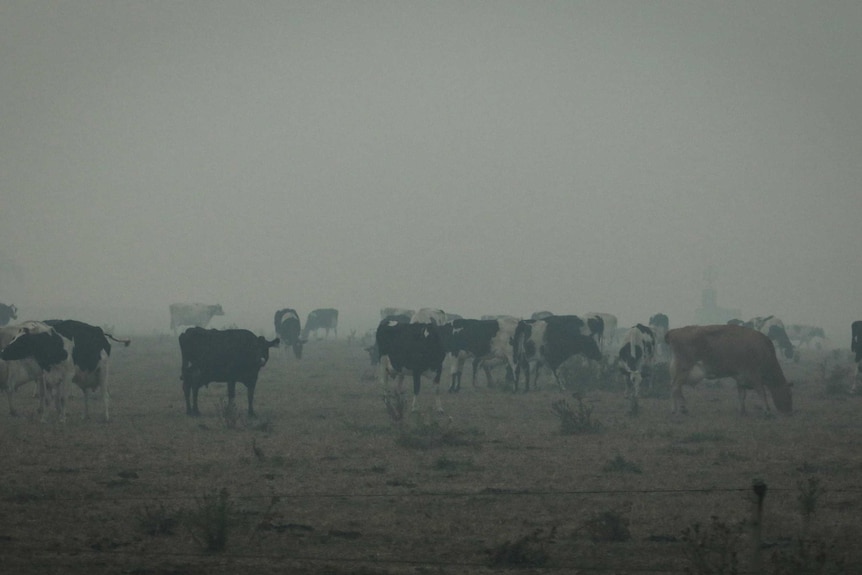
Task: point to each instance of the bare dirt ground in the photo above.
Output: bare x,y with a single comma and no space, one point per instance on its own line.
324,482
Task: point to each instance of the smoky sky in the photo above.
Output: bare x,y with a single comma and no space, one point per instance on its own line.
480,157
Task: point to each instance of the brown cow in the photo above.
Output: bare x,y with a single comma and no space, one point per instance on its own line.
713,351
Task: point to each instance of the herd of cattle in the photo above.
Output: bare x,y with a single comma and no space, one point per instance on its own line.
55,352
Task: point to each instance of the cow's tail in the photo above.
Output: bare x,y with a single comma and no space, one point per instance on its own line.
125,342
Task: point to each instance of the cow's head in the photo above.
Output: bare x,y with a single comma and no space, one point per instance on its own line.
263,347
782,397
297,347
216,309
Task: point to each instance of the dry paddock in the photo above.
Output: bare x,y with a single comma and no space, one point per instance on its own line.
324,482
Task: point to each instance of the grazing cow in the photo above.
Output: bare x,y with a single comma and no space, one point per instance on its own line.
714,351
771,327
7,313
413,347
856,348
229,355
287,328
609,327
486,341
52,354
659,324
192,314
323,318
805,335
551,341
16,373
429,315
636,357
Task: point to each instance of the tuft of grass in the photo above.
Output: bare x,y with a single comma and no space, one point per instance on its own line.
834,380
810,492
429,433
620,464
527,551
608,527
704,436
712,549
212,520
156,520
575,421
228,414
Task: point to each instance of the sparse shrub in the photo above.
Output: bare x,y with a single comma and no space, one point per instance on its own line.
712,550
834,380
810,492
581,375
575,421
228,414
808,558
429,433
394,403
527,551
156,520
210,523
620,464
608,527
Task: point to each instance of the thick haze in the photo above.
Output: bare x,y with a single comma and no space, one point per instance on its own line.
482,157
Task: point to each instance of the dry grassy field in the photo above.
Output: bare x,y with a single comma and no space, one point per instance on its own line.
325,482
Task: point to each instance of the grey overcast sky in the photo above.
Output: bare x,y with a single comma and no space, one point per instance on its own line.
478,156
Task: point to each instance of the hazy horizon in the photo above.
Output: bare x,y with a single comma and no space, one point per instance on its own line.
480,157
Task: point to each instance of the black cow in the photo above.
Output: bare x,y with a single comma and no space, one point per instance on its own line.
7,313
325,319
413,347
229,355
287,328
484,341
551,341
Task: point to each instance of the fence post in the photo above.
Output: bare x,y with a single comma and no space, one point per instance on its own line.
759,488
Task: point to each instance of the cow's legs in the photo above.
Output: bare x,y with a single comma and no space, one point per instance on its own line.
250,387
741,392
455,371
417,382
678,377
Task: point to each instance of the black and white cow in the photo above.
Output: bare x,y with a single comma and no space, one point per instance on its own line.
541,314
486,341
413,347
806,335
551,342
659,324
429,315
609,328
66,351
7,313
288,330
192,314
771,327
322,318
16,373
373,349
231,355
636,356
856,349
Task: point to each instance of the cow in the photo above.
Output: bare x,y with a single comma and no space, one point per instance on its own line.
771,327
636,356
373,349
52,354
16,373
659,324
7,313
856,349
805,335
541,314
609,327
413,347
288,330
429,315
551,342
486,341
230,355
80,355
715,351
323,318
192,314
